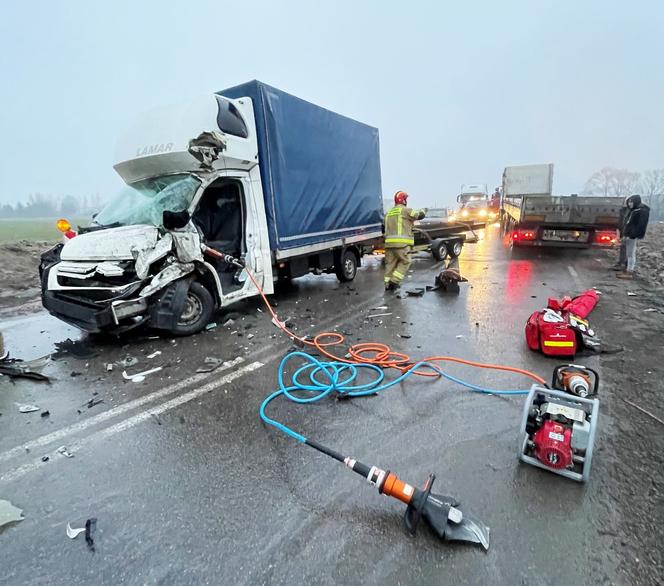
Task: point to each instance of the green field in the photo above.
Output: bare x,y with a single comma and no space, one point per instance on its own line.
33,229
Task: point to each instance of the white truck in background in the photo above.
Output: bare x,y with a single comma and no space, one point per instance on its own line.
532,216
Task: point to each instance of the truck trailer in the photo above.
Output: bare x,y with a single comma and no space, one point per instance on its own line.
532,216
283,185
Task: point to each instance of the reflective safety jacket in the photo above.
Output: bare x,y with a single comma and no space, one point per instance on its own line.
399,226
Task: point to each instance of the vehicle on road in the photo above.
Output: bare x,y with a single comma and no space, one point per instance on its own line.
283,185
438,233
473,204
533,216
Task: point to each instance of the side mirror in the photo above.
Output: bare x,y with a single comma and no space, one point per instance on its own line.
175,220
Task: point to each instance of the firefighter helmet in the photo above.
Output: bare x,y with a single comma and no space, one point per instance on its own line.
400,198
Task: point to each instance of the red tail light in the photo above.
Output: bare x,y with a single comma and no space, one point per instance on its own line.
605,237
524,235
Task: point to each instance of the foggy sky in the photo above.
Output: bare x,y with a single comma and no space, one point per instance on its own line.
457,90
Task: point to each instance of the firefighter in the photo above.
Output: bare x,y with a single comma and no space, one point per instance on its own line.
399,240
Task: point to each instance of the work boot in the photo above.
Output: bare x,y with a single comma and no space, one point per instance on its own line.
389,286
618,267
625,275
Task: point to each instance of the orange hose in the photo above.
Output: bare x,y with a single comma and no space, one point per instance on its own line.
376,353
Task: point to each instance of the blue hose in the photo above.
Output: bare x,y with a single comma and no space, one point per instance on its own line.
315,380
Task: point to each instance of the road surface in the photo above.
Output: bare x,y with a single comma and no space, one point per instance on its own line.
189,487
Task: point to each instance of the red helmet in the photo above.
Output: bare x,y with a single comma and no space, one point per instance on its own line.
400,198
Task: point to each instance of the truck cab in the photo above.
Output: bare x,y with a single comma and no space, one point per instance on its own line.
473,204
194,181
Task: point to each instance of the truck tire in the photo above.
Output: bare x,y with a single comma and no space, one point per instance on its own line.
456,248
198,308
346,268
439,249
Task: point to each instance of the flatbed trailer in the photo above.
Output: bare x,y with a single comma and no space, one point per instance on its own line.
444,240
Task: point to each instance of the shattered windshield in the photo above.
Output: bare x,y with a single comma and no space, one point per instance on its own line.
144,202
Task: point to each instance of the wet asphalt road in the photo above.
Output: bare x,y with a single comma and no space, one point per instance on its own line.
189,487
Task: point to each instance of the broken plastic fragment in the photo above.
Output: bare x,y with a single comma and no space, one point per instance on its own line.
139,376
211,326
9,513
65,452
74,533
28,408
154,354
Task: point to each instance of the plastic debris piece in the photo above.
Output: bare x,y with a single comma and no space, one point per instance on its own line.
259,310
45,413
155,354
9,513
128,361
250,336
228,323
94,401
109,367
139,376
45,458
630,294
15,368
416,292
380,308
28,408
211,364
405,336
90,526
74,533
65,452
650,310
211,326
459,336
379,315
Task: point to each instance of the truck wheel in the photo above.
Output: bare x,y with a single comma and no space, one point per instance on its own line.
346,269
439,249
456,248
198,308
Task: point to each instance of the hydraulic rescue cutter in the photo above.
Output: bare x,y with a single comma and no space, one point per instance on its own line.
558,427
441,513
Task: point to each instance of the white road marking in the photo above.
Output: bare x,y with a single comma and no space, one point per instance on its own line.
61,434
138,418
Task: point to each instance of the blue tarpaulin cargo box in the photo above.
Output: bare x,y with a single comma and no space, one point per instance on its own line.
320,171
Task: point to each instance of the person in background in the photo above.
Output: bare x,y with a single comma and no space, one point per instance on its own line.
636,222
399,240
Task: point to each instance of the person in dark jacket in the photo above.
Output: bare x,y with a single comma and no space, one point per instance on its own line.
636,222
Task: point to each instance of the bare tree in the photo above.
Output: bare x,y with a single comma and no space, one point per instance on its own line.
612,181
652,187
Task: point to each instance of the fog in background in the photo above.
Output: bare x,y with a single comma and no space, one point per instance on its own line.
458,90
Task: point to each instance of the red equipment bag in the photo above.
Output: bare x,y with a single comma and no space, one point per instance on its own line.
552,338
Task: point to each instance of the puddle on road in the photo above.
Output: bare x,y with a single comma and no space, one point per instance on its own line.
29,337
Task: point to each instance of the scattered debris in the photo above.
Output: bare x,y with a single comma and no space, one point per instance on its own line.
380,308
250,336
128,361
416,292
379,315
16,368
74,533
78,349
90,526
109,367
94,401
45,458
9,513
211,364
155,354
27,408
630,294
75,373
65,452
650,310
211,326
406,336
45,413
139,377
459,336
228,323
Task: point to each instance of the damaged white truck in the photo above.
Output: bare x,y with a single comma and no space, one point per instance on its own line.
287,187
